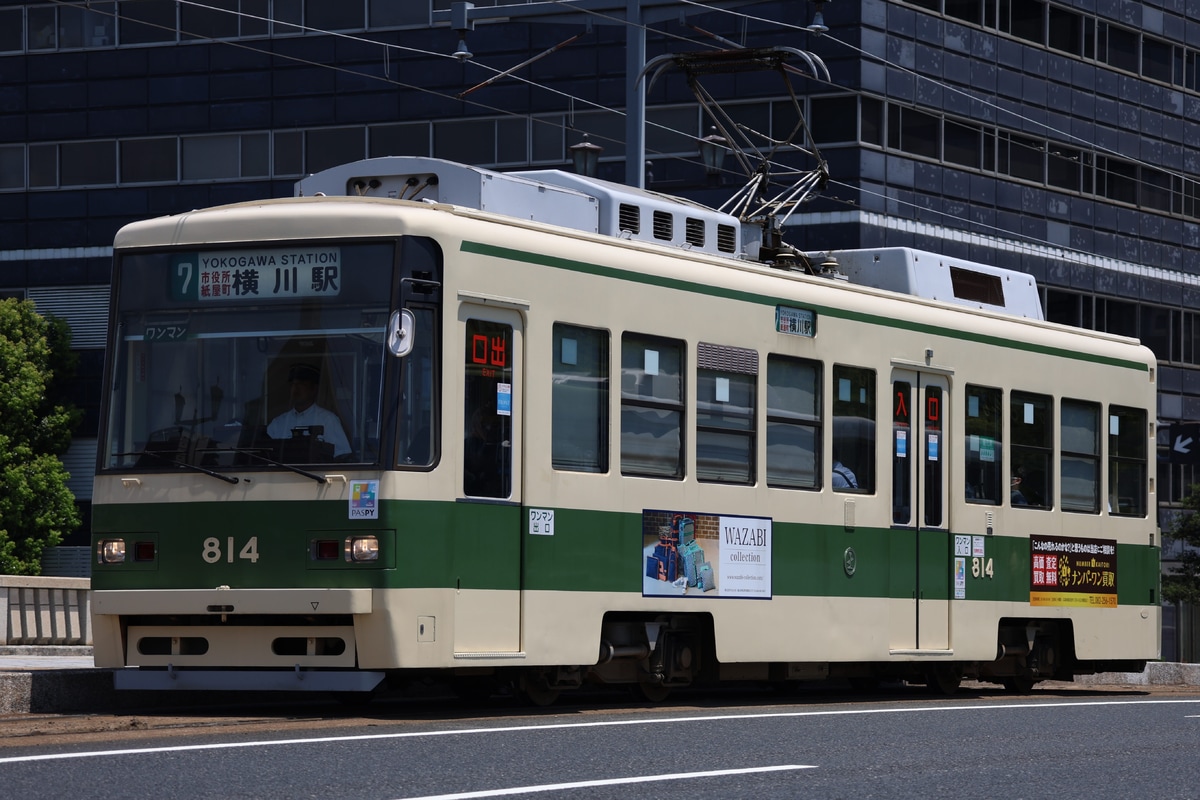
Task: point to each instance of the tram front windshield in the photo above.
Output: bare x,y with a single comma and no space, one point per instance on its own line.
242,356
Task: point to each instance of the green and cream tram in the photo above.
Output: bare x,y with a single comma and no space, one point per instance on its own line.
546,431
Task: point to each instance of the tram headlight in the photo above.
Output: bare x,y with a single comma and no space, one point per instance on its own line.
362,548
110,551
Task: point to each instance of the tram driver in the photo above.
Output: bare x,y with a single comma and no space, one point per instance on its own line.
303,382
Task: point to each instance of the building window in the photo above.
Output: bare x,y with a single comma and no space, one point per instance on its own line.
216,19
43,27
389,13
289,153
1080,457
407,139
1022,157
871,131
1127,434
329,147
1070,32
1117,47
854,426
1158,58
1117,179
146,21
725,413
326,16
1155,189
149,160
1116,316
87,163
963,144
12,166
984,453
1070,169
651,406
1025,19
579,399
11,28
966,10
913,131
834,119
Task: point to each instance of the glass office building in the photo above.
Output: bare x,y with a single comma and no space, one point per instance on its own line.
1058,137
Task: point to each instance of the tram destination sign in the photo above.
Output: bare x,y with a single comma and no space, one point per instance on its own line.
257,275
795,321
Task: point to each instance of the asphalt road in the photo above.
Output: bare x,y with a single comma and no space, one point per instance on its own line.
1060,744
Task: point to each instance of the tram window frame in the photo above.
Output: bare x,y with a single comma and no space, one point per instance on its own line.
726,414
1127,461
854,421
793,420
417,440
579,399
983,450
1079,457
653,392
1031,448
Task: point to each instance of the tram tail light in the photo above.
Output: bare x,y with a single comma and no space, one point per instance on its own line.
110,551
144,551
326,549
362,548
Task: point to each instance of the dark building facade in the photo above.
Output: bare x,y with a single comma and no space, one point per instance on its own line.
1058,137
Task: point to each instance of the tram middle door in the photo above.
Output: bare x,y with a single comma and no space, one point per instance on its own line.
920,402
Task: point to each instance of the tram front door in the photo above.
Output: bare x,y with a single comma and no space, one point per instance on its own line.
920,408
486,551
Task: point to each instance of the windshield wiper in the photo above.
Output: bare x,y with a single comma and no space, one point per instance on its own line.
260,457
184,464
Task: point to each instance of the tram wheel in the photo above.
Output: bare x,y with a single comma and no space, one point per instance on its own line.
944,679
651,692
536,690
1018,684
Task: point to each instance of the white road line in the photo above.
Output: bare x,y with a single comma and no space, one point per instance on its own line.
554,787
575,725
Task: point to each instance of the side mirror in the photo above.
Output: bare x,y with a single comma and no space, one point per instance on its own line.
402,327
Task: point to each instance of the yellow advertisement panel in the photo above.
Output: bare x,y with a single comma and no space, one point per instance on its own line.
1066,571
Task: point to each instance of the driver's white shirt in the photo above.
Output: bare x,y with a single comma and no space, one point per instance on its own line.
281,426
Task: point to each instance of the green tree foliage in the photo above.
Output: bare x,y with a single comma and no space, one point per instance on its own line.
1183,584
36,507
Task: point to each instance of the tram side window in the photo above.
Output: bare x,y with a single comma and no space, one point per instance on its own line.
984,465
1031,430
579,399
1080,458
487,447
651,406
853,468
725,405
1127,465
793,422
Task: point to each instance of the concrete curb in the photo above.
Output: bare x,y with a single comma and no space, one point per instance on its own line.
1156,674
81,691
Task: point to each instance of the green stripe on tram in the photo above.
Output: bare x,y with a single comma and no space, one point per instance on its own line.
465,545
588,268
